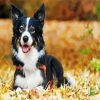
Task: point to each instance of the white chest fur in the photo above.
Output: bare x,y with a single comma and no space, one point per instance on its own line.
33,76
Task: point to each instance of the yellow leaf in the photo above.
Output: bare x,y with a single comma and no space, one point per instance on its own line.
1,97
4,89
16,98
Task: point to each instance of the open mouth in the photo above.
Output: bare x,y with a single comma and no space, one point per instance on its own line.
26,48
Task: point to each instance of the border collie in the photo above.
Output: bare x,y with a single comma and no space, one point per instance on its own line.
34,67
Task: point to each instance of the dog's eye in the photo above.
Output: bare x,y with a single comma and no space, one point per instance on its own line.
21,29
32,29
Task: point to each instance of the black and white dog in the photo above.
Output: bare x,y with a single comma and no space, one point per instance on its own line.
34,67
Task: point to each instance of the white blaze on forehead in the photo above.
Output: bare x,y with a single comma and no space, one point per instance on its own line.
27,23
27,33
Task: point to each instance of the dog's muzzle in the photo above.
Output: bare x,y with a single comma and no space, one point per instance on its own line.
25,46
26,42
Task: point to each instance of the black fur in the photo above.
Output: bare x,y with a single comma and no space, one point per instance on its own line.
53,66
15,59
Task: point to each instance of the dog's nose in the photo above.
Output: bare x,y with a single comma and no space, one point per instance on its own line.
25,39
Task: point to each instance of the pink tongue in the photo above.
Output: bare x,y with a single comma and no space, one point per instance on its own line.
25,48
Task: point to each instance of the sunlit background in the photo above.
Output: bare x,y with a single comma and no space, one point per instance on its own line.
71,30
71,34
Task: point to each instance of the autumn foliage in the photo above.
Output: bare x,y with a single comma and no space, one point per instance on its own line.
56,9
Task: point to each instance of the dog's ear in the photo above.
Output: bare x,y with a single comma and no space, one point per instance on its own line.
16,13
40,14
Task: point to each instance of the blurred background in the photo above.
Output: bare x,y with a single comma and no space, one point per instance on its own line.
56,9
71,30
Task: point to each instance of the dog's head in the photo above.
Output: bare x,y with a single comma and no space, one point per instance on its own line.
28,30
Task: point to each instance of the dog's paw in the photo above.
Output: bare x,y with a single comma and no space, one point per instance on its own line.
18,90
40,88
21,82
